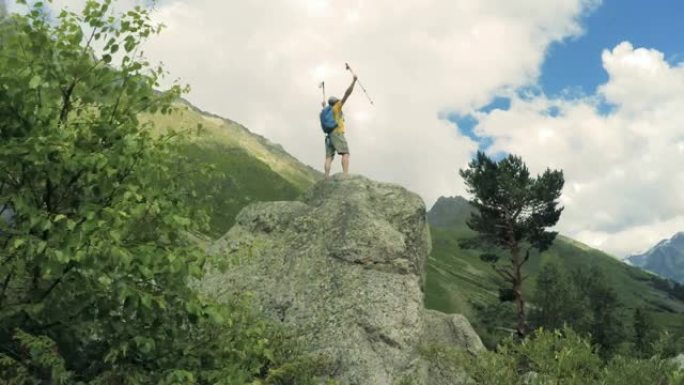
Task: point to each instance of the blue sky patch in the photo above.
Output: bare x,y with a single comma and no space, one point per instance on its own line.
499,103
576,63
466,126
604,108
553,111
573,68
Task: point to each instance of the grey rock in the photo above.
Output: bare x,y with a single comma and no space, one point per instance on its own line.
448,332
679,361
344,269
451,330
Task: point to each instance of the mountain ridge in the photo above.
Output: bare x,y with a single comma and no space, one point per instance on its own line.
251,167
665,259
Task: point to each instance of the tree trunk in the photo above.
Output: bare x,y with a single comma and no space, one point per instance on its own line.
521,327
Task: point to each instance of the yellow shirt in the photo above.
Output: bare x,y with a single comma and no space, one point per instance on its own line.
339,118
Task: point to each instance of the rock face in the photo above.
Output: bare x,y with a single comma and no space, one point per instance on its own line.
451,330
344,269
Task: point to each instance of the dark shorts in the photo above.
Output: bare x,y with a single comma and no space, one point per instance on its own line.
335,143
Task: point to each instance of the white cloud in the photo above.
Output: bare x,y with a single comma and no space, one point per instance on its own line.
259,62
624,179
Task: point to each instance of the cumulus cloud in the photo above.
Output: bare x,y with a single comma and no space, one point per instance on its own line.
259,62
624,179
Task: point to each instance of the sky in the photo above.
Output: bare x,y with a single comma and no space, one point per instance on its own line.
592,87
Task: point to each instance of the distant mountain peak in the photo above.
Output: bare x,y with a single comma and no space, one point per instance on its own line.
449,211
666,258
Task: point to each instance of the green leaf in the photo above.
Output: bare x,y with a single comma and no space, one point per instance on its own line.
61,256
104,280
18,242
35,82
41,246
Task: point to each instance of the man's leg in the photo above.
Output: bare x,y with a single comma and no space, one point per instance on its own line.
345,163
339,142
329,155
328,163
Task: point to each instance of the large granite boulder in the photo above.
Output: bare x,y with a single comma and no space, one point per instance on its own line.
343,268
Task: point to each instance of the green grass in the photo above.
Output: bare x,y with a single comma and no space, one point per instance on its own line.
225,132
457,279
253,169
243,180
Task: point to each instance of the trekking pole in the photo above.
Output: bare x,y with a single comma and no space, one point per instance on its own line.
360,85
322,85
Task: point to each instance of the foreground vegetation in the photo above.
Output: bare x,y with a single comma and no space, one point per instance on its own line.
97,254
556,357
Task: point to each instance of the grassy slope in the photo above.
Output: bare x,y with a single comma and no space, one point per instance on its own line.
456,278
254,168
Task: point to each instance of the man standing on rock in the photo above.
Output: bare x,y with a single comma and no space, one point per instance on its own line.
332,122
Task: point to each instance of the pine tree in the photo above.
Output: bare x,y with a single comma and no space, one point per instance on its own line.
513,211
645,333
559,302
550,297
607,327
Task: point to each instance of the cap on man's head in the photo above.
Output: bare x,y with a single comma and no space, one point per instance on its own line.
332,100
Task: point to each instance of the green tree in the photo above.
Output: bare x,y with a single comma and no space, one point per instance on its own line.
97,261
607,327
584,300
645,332
550,297
513,211
558,301
493,321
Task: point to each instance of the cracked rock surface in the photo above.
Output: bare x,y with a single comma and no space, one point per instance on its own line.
344,269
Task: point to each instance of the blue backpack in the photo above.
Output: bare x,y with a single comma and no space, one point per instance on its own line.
328,122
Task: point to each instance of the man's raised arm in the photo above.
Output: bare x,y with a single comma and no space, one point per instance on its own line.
349,91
